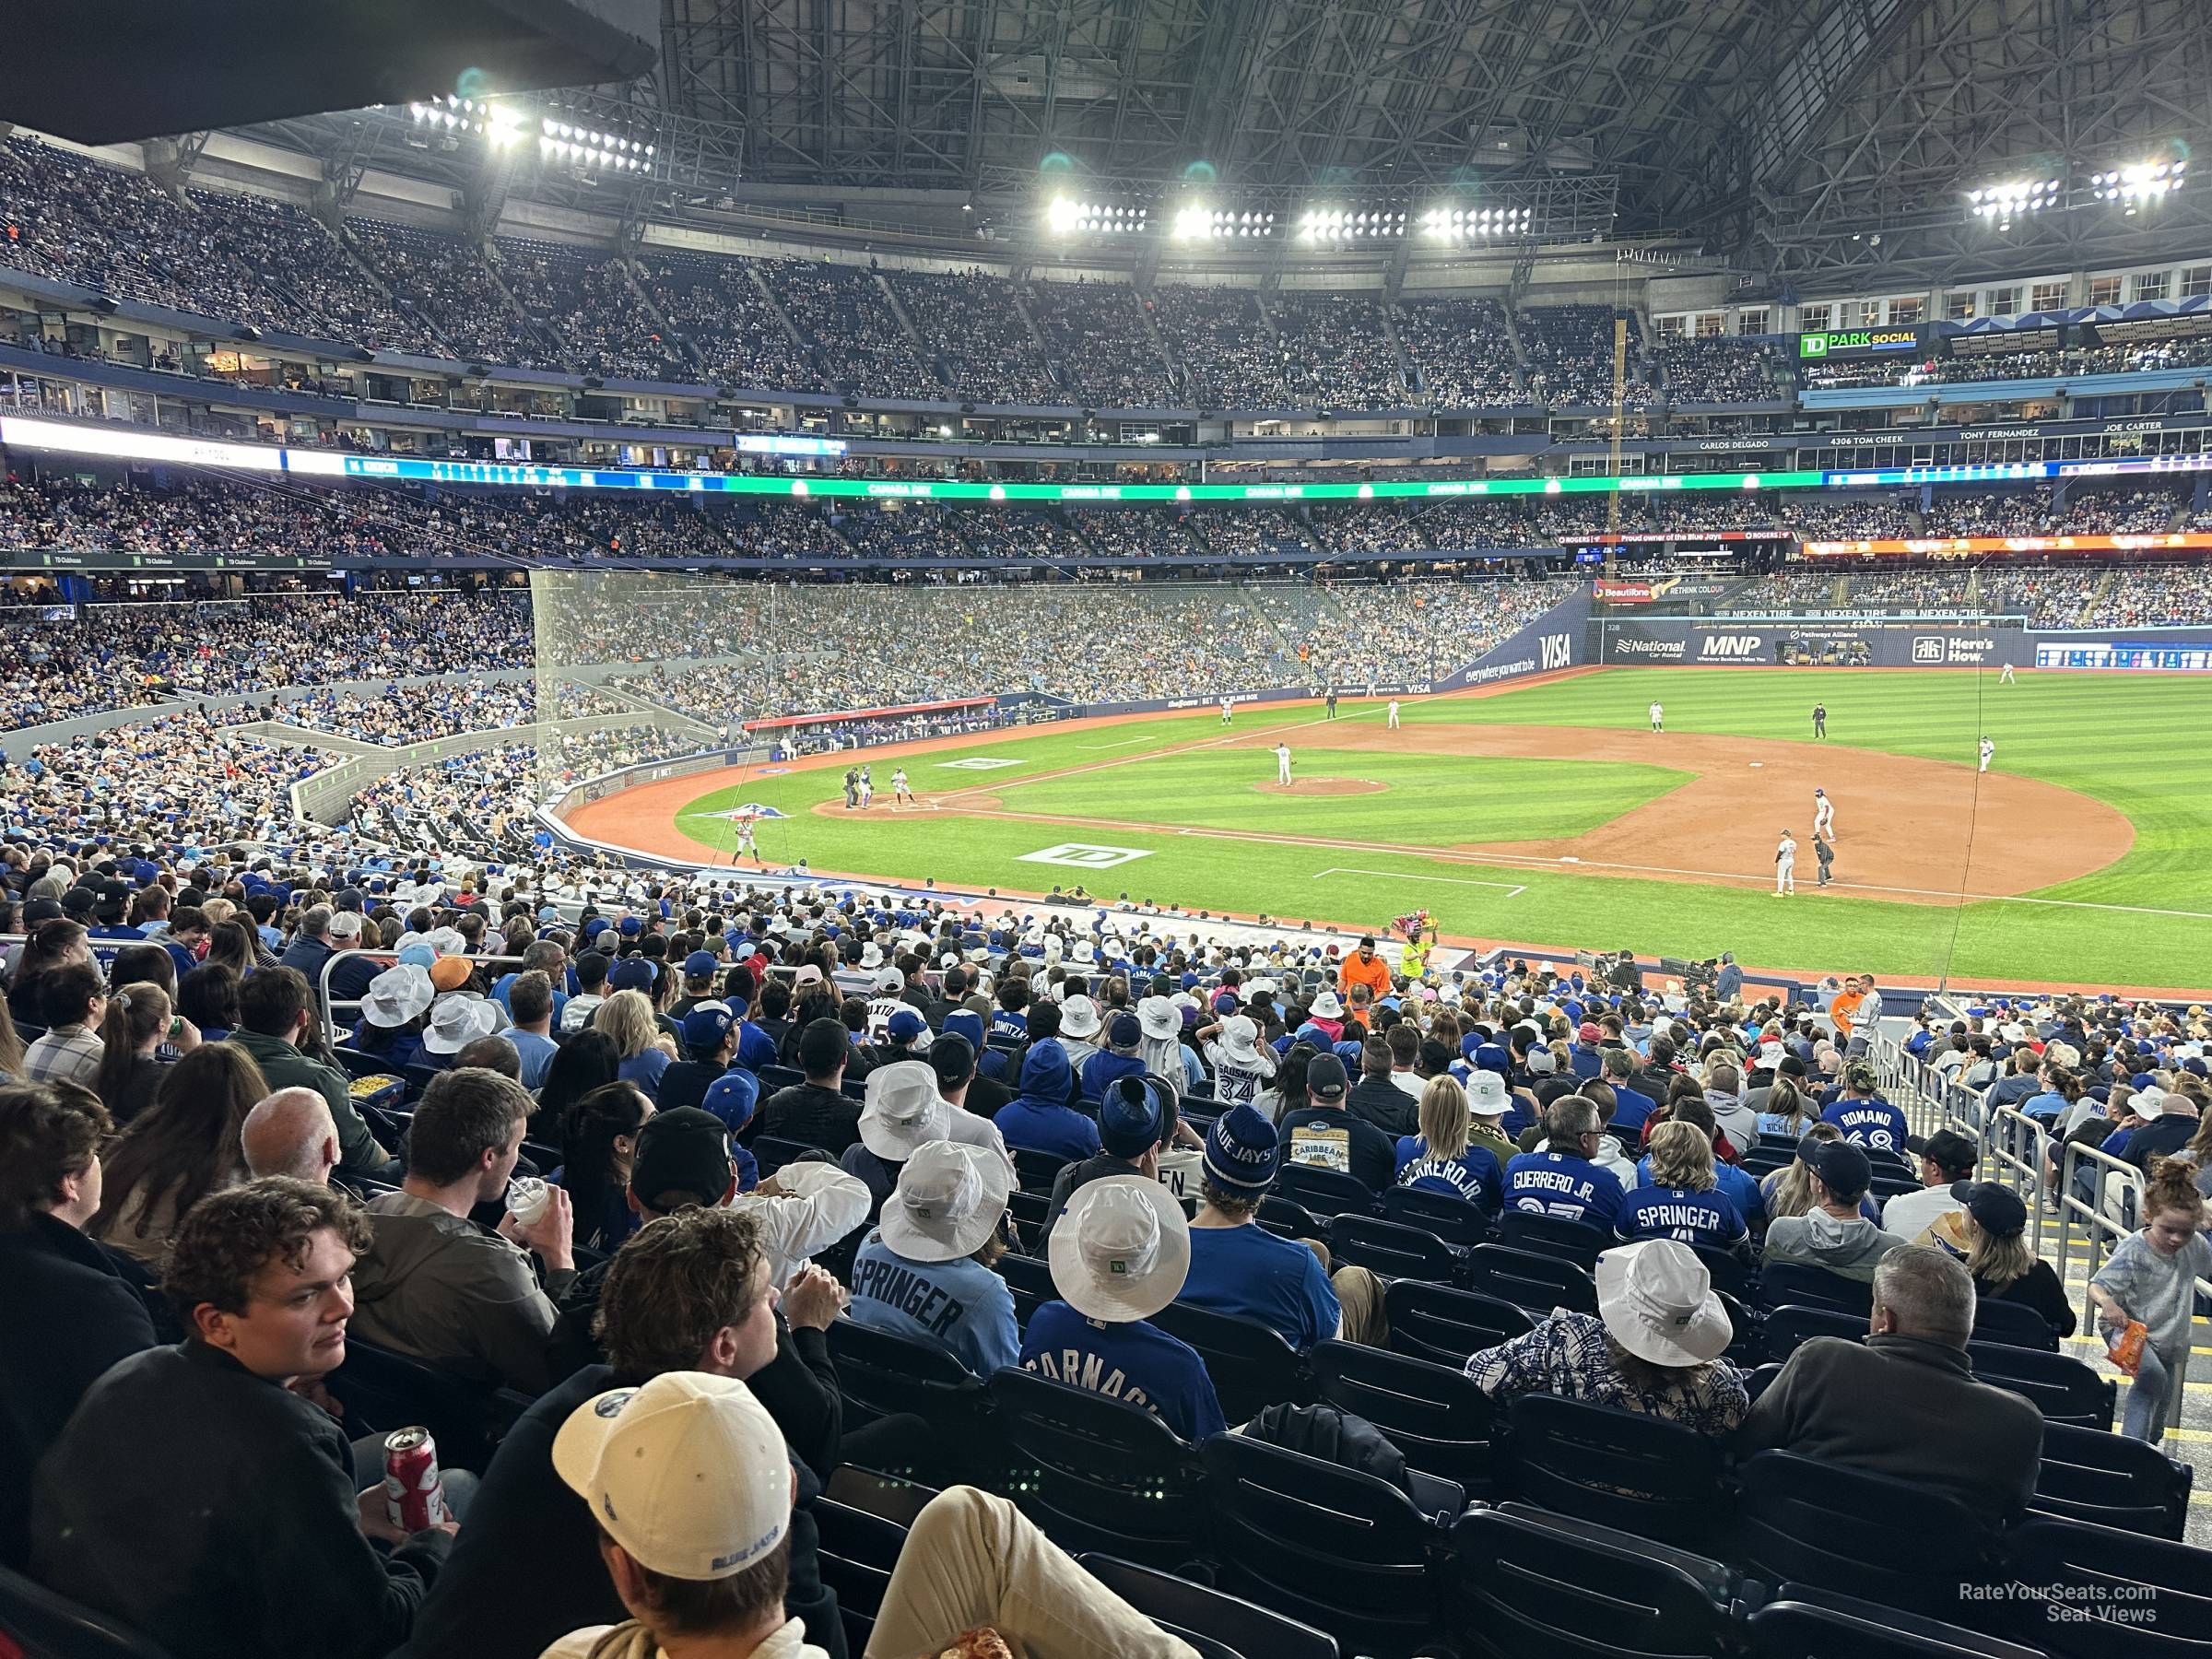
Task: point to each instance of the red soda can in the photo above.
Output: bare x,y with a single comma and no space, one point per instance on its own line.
414,1494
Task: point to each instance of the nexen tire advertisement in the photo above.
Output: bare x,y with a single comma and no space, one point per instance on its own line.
1707,642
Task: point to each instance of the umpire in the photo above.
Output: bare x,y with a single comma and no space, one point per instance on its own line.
1826,853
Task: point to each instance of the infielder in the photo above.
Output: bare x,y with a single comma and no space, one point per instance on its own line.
1392,723
1282,763
747,846
1823,816
1989,752
1658,716
1785,866
900,789
1225,706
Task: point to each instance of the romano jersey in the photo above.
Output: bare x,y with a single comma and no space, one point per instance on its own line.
1873,1124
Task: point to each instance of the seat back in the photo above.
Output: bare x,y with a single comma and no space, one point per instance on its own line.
1446,1326
1554,1236
771,1152
1252,1366
2063,1389
1030,1280
1287,1218
774,1077
1838,1528
1036,1172
1433,1414
384,1390
2166,1589
2110,1480
1330,1547
1538,1283
1789,1327
1805,1623
1522,1584
1780,1283
1453,1221
882,1373
1391,1248
1623,1470
1726,1269
1097,1473
855,1552
1219,1626
47,1626
2013,1322
1324,1192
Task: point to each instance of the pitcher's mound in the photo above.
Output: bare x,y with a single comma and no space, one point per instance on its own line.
1324,786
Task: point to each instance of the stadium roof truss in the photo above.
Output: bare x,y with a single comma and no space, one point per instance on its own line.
1824,142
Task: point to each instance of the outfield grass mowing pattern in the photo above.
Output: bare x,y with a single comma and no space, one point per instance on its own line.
2130,741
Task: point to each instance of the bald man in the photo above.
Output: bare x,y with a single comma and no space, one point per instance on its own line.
292,1133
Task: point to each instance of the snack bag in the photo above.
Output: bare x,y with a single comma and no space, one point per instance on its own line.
2127,1347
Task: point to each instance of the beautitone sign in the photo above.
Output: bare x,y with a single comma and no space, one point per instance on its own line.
1703,642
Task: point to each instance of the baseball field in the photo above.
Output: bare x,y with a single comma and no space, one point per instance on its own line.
1550,814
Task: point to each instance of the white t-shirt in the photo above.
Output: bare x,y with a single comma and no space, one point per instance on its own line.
1911,1213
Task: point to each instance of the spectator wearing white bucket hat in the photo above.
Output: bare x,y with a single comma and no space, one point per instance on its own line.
1326,1010
1654,1344
458,1020
391,1014
1242,1066
903,1110
1160,1021
925,1272
1119,1254
1082,1020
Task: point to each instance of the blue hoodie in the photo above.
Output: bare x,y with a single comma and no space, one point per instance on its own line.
1102,1069
1039,1118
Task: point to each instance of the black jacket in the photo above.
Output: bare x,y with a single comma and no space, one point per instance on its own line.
811,1114
66,1314
2038,1289
2161,1137
526,1571
1907,1408
216,1512
1380,1101
1339,1141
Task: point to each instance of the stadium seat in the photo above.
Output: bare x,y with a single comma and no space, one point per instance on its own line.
1781,1283
1289,1219
1031,1212
771,1152
1036,1172
1767,1157
1030,1280
40,1624
1217,1626
1454,1221
2163,1589
1623,1470
2013,1322
1731,1275
1391,1249
1333,1548
1553,1236
2110,1480
1805,1623
1837,1528
2063,1389
1435,1416
1788,1328
1097,1473
1446,1327
1523,1584
774,1077
1325,1191
1252,1366
855,1552
1539,1283
883,1373
382,1389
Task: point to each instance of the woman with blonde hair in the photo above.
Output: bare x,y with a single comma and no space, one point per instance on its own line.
627,1019
1440,1160
1991,1236
1682,1200
1789,1191
1789,1111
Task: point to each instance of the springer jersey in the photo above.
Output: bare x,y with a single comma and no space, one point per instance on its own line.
1137,1362
1655,1212
960,1306
1559,1183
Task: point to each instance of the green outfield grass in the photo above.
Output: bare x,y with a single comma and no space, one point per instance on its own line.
2134,743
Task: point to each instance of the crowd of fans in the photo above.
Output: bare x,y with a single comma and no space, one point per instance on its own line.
2157,596
1338,352
843,312
716,305
1571,357
1225,354
2123,509
1459,352
971,321
1101,336
447,283
1718,370
584,304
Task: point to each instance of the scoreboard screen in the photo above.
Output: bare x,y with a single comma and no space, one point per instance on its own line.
2194,656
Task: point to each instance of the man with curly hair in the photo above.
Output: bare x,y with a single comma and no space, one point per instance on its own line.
198,1493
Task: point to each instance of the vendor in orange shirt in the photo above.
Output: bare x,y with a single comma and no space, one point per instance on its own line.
1364,967
1846,1005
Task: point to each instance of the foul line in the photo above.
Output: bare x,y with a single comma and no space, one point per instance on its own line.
1126,743
1447,880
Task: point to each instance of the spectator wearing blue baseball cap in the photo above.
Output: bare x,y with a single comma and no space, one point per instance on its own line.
1835,1234
1136,1117
1237,1266
710,1037
905,1037
698,984
984,1094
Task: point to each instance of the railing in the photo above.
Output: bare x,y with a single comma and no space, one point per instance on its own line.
326,1003
2019,1153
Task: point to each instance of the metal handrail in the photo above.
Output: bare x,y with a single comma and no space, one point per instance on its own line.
326,1003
